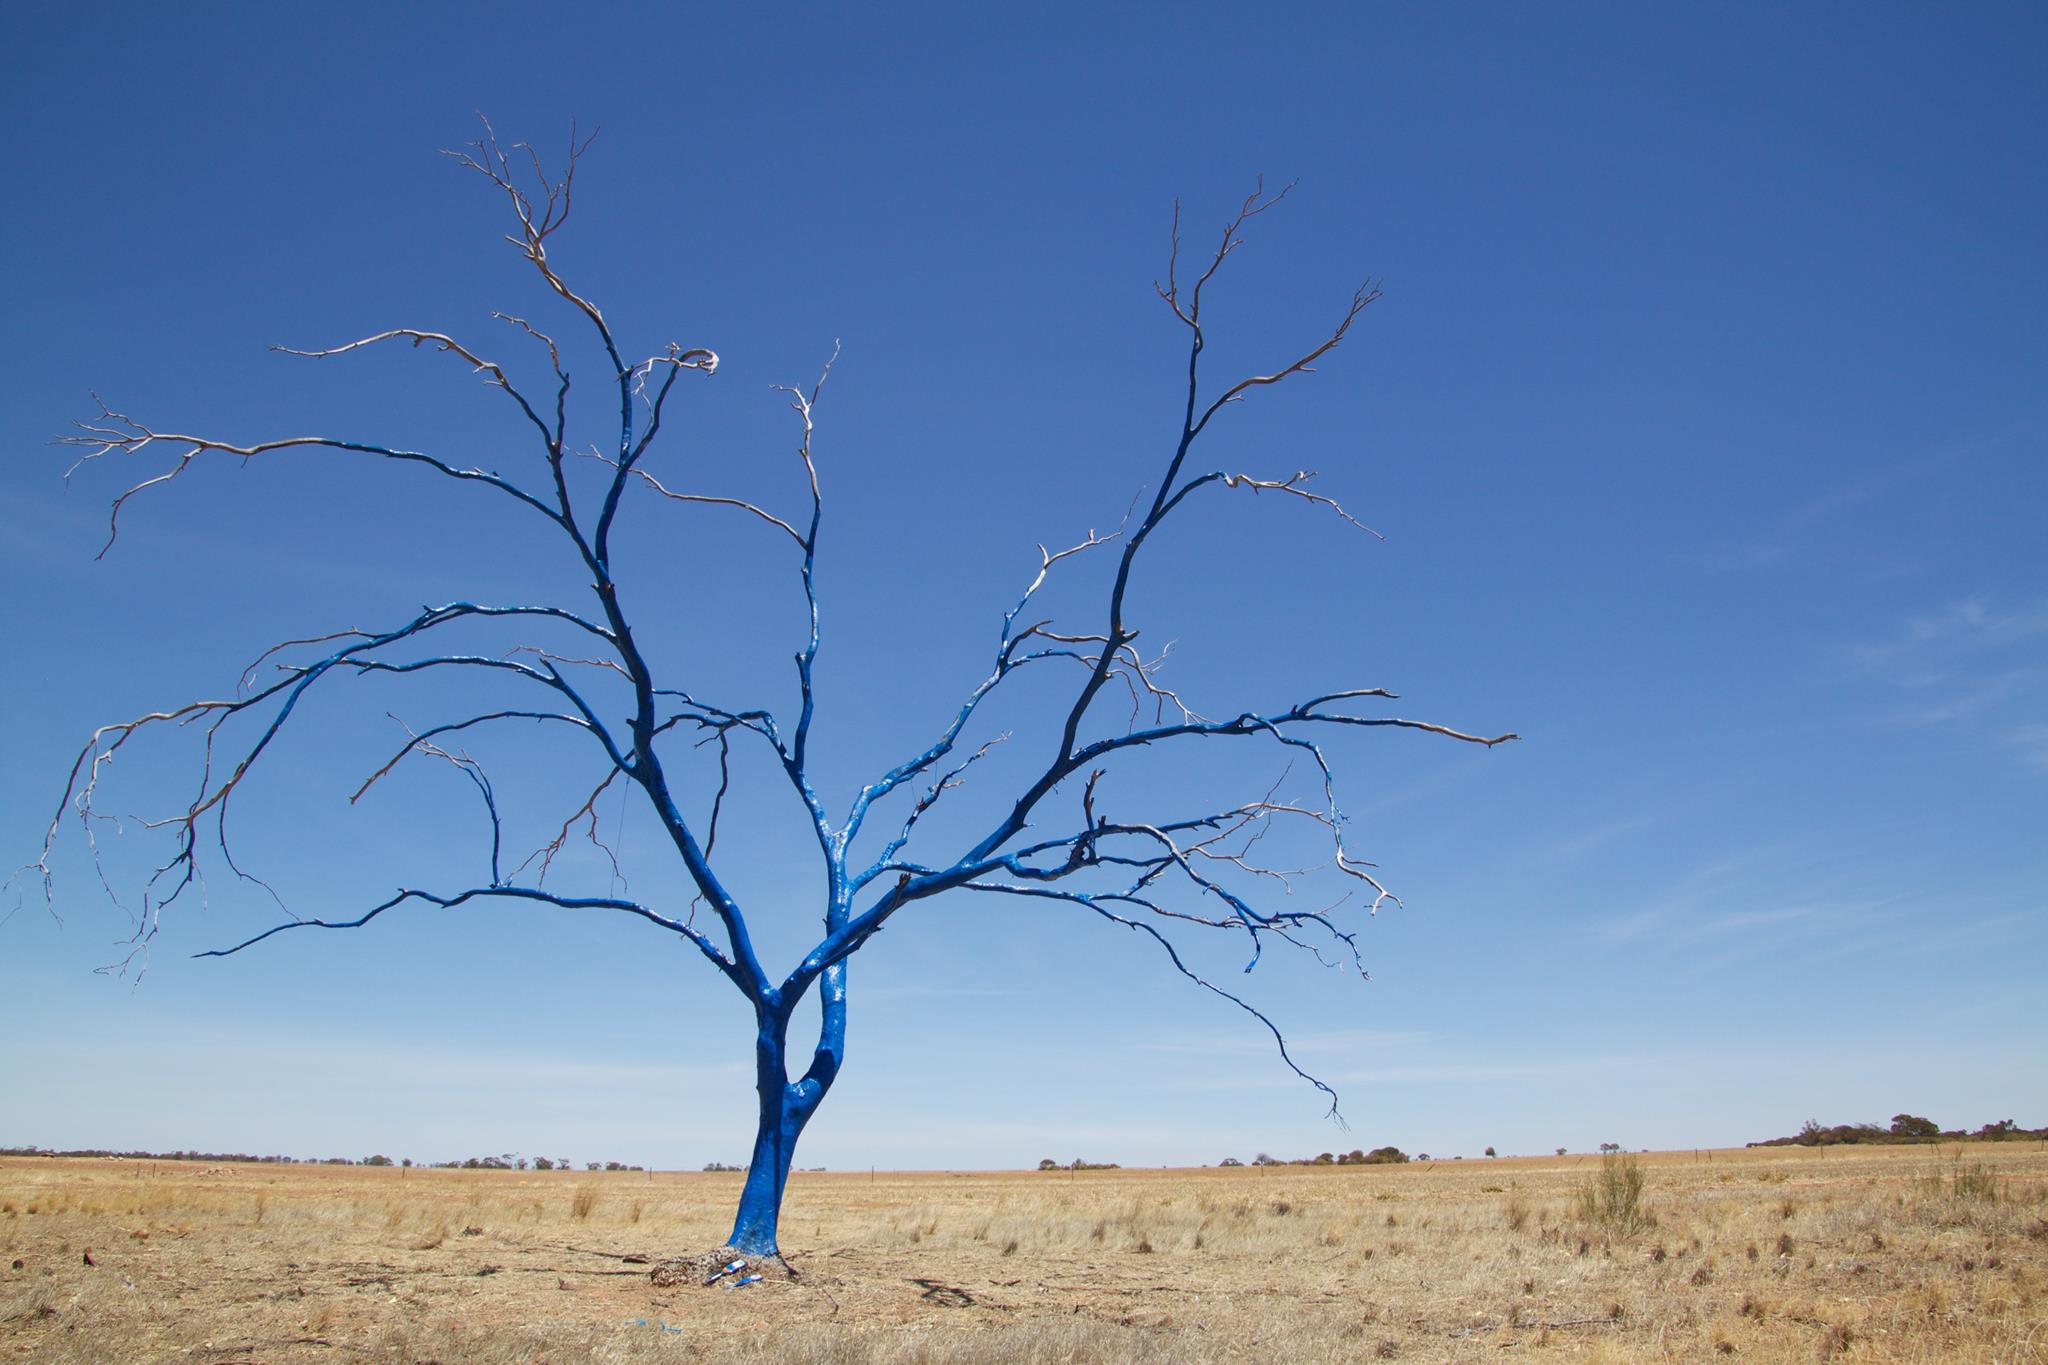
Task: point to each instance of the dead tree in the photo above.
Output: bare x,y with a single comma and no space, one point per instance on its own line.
1155,875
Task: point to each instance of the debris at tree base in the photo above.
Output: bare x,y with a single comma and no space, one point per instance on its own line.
643,1322
709,1268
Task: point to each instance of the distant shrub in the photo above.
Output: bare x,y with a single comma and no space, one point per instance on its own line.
1974,1181
1613,1195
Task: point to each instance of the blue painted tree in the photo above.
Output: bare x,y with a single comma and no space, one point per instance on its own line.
1151,876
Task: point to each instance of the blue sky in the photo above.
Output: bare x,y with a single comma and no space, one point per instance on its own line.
1704,415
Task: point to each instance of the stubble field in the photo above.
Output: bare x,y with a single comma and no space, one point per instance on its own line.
1917,1254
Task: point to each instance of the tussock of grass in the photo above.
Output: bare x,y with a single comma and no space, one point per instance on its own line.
1613,1195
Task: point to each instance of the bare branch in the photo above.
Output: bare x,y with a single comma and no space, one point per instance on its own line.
538,220
1095,903
1007,660
463,764
1292,486
703,944
806,660
549,656
588,810
554,352
954,778
418,741
769,517
118,432
1361,298
446,344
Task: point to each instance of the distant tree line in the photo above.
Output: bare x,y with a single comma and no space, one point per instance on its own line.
1378,1156
1905,1128
507,1162
211,1157
1078,1164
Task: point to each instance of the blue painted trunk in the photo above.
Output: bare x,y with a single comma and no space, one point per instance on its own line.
785,1107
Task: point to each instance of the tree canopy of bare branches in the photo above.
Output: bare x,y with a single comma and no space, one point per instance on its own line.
1160,877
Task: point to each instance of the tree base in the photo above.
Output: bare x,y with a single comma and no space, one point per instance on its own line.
697,1271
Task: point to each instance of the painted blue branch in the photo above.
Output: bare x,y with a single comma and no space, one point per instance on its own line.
703,944
629,454
983,858
1007,660
473,770
1092,902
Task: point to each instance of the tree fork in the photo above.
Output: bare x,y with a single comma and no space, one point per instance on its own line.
785,1107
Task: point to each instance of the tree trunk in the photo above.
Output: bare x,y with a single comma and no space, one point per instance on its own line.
785,1108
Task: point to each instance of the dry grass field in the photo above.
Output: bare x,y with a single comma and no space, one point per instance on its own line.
1914,1254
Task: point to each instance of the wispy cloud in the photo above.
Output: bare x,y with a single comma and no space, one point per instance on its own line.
997,1135
399,1063
1695,893
49,535
1339,1042
896,993
1741,558
1971,663
1775,899
1692,926
1970,700
1781,542
1447,1072
1965,626
1601,835
2030,742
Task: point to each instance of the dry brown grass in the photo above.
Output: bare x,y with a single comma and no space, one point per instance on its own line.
1840,1255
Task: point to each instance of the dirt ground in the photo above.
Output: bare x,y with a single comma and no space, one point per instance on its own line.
1916,1254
